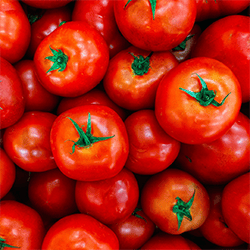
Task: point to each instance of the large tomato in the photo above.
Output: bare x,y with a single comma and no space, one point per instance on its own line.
89,142
198,101
72,60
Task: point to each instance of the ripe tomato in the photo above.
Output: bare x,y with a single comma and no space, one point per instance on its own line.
79,231
46,4
198,101
12,100
109,201
225,40
155,25
175,201
27,142
222,160
37,98
89,143
235,203
151,149
72,60
133,76
15,31
21,226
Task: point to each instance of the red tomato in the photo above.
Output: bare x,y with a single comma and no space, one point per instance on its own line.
42,24
72,60
133,232
133,76
198,101
12,100
7,173
79,231
235,203
214,228
109,201
52,193
222,160
47,4
89,143
100,14
21,226
151,150
94,96
175,201
15,31
27,142
155,25
36,96
227,40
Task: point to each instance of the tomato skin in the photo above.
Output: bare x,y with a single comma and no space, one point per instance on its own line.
27,142
103,159
214,228
47,4
15,31
151,150
52,193
109,201
182,116
21,225
37,98
161,33
222,160
159,196
235,203
7,173
131,91
41,28
100,14
79,231
88,59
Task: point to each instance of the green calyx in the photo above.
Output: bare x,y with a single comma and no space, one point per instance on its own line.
152,4
85,140
205,96
61,23
182,209
3,244
140,65
182,46
137,215
33,18
59,60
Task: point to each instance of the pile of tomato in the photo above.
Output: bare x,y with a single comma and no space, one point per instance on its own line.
124,124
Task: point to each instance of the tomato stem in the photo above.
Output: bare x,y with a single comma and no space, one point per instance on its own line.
205,96
33,18
85,140
137,215
182,46
182,209
3,244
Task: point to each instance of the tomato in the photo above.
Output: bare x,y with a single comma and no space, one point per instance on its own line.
133,232
225,40
214,228
100,14
109,201
212,9
47,4
175,201
79,231
133,76
15,31
155,25
198,101
36,96
27,142
94,96
72,60
43,23
222,160
151,150
12,100
235,203
52,193
89,143
21,226
7,173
